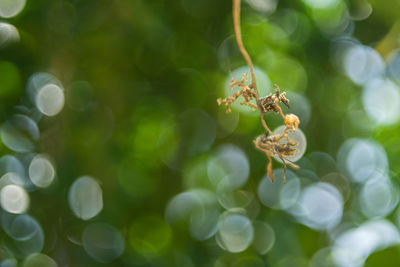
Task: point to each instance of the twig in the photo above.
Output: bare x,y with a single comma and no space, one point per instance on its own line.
246,56
238,35
267,142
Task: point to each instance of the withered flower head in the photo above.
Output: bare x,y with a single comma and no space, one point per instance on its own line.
270,102
292,122
246,92
269,143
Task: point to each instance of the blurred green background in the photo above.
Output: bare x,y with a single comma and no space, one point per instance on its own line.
115,153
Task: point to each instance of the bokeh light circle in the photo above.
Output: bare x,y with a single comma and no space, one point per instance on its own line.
354,246
235,232
322,206
85,198
9,263
8,34
340,181
39,80
14,199
46,92
11,8
50,99
41,171
321,4
362,158
103,242
181,206
23,228
229,168
381,100
11,164
39,259
26,232
19,133
323,257
196,207
362,63
11,178
266,7
235,199
378,197
264,237
203,223
277,195
393,66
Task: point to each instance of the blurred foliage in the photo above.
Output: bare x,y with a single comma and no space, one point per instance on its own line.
141,79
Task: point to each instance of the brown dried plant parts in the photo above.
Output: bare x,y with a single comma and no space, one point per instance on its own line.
271,144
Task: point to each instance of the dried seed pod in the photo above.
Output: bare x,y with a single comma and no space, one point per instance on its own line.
269,143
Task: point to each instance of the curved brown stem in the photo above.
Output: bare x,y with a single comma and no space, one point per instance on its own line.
238,35
267,142
280,110
246,56
265,124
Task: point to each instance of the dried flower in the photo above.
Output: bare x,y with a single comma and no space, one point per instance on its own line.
272,146
245,92
270,102
279,145
292,122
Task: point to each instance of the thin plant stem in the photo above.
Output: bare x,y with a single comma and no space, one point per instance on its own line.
267,142
238,35
265,124
246,56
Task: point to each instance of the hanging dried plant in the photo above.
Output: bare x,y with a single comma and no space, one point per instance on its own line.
271,144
